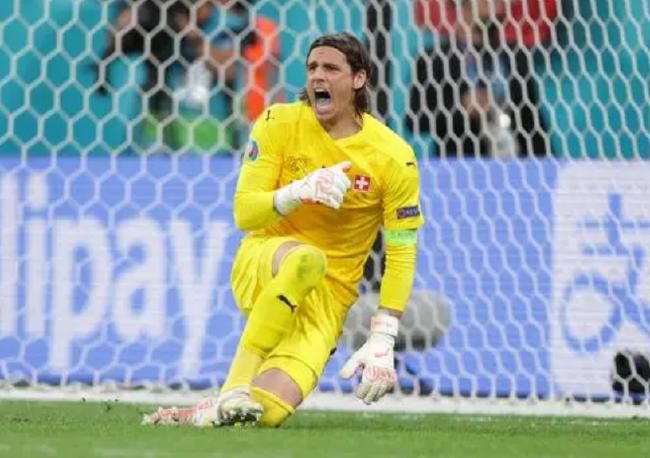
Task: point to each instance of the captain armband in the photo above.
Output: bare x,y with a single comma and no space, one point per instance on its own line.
401,237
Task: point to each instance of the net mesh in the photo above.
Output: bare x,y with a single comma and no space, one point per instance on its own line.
121,124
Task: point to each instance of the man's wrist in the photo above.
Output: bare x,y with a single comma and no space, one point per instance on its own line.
396,313
284,201
384,322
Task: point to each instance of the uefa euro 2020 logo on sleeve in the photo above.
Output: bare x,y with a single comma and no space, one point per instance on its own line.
252,151
601,272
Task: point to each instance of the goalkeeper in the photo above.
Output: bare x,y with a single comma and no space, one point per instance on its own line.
319,178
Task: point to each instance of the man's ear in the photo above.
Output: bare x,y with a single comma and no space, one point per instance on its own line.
359,79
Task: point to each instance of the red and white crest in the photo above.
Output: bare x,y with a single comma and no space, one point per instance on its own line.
361,183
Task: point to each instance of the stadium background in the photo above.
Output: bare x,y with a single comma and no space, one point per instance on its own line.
123,254
591,76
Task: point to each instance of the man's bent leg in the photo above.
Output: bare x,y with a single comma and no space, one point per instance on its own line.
245,362
295,270
291,371
301,268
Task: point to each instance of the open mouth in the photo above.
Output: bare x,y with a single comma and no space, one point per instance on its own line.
322,98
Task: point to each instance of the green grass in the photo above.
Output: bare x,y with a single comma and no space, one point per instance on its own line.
87,429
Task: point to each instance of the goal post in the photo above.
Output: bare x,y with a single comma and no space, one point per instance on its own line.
532,290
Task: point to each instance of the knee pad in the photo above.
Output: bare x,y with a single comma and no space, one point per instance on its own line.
276,411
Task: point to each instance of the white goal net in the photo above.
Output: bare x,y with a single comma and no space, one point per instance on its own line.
121,124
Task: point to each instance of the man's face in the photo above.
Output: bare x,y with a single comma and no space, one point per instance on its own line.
331,84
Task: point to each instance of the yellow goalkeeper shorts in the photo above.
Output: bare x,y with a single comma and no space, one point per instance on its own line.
318,324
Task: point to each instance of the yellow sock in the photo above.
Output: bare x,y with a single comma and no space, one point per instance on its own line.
273,312
243,368
276,411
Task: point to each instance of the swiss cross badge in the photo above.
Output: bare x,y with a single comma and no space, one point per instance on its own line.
361,183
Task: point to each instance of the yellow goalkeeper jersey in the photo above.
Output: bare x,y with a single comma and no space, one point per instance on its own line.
287,142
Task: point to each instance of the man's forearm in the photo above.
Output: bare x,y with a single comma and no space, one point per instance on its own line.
254,210
398,278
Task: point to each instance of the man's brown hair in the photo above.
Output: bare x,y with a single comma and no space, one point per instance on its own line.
358,59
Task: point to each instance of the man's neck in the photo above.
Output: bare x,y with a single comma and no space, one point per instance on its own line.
343,129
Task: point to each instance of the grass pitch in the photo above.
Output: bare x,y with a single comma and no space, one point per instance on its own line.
90,429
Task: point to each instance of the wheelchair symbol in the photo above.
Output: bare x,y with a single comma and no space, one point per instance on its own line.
620,295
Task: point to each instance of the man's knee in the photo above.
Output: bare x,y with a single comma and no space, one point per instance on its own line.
276,411
278,382
306,263
278,393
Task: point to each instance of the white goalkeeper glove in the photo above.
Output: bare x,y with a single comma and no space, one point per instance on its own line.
375,357
327,186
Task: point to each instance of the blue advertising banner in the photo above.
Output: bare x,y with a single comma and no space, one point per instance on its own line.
118,270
